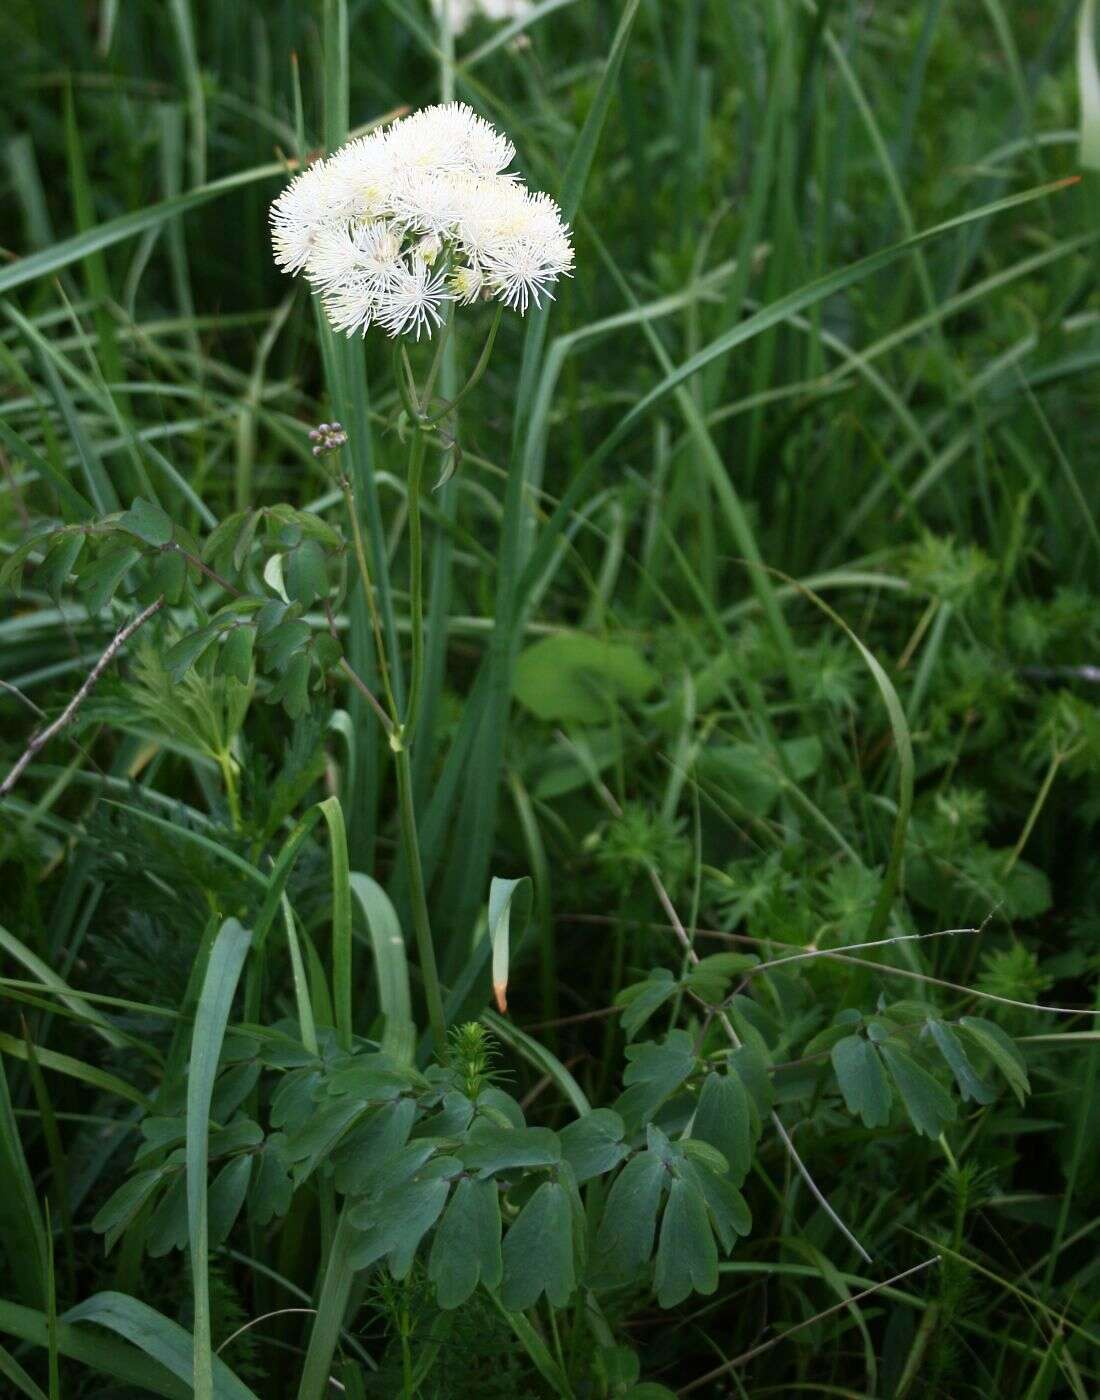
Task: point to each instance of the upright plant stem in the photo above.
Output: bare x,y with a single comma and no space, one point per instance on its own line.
416,585
425,949
368,589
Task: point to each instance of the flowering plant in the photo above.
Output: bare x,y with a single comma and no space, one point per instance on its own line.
395,224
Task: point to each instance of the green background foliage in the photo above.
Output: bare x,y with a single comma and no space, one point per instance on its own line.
757,752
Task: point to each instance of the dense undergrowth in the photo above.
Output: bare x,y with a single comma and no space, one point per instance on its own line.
761,605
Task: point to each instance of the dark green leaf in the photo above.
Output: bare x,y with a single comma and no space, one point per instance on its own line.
862,1080
117,1213
1001,1049
99,580
489,1149
723,1118
466,1248
538,1252
687,1257
148,522
971,1085
235,658
927,1102
593,1144
654,1074
271,1190
625,1238
227,1193
306,575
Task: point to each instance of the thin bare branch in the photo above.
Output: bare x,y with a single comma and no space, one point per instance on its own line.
43,737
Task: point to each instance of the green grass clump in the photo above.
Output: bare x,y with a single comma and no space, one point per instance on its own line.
761,604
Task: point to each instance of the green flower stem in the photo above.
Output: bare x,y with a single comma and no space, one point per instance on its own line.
416,586
425,949
368,589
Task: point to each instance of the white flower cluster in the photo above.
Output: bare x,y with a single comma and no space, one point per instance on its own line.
396,223
462,12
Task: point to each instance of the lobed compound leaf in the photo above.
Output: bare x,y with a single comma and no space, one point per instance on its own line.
862,1080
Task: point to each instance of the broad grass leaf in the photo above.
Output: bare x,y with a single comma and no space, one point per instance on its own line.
927,1102
466,1248
158,1337
687,1257
572,676
862,1080
538,1252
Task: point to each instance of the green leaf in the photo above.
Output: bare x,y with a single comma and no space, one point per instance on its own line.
372,1143
235,658
724,1120
489,1149
99,580
751,1067
729,1211
538,1252
390,965
466,1248
316,1137
293,688
1001,1049
223,972
283,643
687,1257
506,897
165,1341
70,250
271,1190
624,1241
398,1218
117,1213
149,522
644,998
180,657
971,1085
62,553
572,676
654,1074
926,1101
862,1080
593,1145
305,574
227,1195
22,1232
168,1225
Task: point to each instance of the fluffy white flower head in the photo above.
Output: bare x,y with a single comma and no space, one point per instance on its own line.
396,223
463,12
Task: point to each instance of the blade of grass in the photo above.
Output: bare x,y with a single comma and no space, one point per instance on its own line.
219,987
